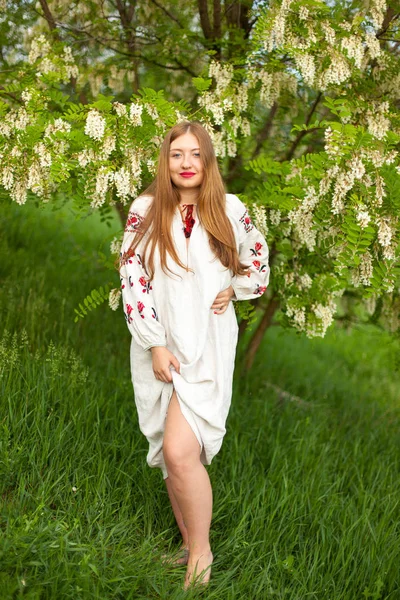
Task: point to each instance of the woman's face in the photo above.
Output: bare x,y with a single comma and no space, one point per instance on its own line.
185,164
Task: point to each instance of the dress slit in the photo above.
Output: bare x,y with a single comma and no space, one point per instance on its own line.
188,415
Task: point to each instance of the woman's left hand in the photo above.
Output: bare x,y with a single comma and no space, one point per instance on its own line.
221,302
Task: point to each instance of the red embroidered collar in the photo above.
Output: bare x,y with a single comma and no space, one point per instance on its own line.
189,221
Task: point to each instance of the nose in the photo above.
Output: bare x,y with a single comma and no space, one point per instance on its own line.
186,162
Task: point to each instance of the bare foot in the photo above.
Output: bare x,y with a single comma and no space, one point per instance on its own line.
176,559
198,570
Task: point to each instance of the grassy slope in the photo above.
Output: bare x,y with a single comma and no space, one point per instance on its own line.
306,493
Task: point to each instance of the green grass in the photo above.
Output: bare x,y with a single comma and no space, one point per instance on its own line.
306,493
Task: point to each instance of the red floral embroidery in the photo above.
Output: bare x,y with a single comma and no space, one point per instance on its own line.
140,307
260,289
154,315
246,222
125,258
256,250
189,220
133,222
128,313
146,285
259,266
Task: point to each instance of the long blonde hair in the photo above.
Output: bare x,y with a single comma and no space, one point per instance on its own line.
210,205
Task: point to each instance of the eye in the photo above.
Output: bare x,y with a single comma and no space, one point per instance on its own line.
175,155
197,154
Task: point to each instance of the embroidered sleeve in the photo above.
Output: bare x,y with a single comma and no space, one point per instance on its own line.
253,252
137,290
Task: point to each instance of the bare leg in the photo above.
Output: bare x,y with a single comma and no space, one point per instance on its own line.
182,527
191,487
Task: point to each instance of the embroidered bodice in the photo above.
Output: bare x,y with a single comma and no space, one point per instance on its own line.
188,219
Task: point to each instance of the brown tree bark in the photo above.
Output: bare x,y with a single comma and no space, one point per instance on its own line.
127,17
258,335
122,210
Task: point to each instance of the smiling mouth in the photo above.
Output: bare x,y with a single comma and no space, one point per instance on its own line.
187,174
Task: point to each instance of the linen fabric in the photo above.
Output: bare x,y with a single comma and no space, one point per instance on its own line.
174,310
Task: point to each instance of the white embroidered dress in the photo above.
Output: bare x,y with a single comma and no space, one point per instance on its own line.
175,311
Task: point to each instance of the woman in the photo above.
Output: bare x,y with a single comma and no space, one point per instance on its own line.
189,249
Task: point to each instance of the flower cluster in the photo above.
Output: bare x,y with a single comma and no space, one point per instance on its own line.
114,298
95,125
302,219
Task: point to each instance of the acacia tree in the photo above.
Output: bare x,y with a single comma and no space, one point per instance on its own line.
301,100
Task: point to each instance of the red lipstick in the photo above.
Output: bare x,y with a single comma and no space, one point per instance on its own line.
187,174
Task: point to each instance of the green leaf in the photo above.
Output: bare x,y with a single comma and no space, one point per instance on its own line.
201,84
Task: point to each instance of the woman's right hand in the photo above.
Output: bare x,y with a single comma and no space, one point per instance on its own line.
162,359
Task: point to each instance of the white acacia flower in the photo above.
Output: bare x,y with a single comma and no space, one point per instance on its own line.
380,191
306,65
373,44
120,109
22,119
245,127
241,97
353,45
378,124
8,178
5,129
103,178
115,245
363,217
324,314
39,47
222,73
122,183
152,166
275,216
336,73
135,114
70,71
58,125
26,95
305,281
366,268
152,111
19,192
35,177
260,219
114,298
109,146
231,148
385,232
329,33
15,152
43,153
95,125
289,278
389,253
357,167
303,13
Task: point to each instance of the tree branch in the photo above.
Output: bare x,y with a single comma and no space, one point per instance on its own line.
266,130
49,17
168,13
390,16
301,134
217,27
205,19
126,17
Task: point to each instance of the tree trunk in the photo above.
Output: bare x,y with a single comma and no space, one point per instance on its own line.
258,335
122,210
